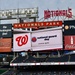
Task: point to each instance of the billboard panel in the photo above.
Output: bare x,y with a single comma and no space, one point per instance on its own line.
22,12
5,44
47,40
54,13
69,27
37,24
5,30
21,42
69,42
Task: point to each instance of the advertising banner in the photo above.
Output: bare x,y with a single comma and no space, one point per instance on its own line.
69,27
47,40
69,42
5,30
37,24
21,42
54,13
5,44
22,12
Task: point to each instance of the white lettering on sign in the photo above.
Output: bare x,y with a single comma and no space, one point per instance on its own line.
70,46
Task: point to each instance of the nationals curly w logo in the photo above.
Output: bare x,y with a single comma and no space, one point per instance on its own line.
22,40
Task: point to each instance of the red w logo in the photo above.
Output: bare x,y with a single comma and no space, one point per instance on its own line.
22,40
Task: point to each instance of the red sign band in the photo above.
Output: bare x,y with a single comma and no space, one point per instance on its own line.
37,24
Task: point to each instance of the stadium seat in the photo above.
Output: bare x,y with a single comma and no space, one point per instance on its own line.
64,58
19,59
72,58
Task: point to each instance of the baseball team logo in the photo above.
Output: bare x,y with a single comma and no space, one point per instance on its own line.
22,40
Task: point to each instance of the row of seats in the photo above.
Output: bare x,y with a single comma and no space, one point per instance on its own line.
41,73
6,59
19,59
9,72
65,58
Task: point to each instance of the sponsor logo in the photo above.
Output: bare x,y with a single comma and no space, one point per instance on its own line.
72,27
66,27
69,42
5,42
34,39
46,37
69,27
70,46
22,40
